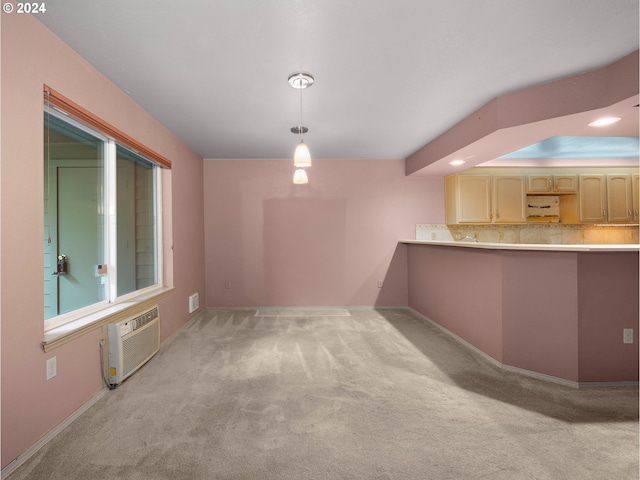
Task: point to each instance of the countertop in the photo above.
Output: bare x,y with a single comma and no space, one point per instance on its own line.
531,246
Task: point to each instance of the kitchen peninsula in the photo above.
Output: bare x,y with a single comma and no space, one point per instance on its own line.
555,311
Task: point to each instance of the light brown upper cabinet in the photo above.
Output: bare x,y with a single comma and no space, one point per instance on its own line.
499,195
485,199
593,198
619,198
560,183
468,199
509,199
606,198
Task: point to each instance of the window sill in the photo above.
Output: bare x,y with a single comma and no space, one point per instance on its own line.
113,313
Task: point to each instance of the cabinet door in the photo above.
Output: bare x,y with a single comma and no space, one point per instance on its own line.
509,199
565,183
593,198
619,201
474,199
539,183
635,191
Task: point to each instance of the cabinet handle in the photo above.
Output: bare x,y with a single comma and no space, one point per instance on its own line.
604,213
629,214
556,182
549,182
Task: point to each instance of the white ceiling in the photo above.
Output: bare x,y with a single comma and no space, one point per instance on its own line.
390,76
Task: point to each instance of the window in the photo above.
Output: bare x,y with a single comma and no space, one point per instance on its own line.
102,220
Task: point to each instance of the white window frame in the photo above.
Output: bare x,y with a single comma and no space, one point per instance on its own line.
110,229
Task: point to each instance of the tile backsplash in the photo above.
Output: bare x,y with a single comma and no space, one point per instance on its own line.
548,233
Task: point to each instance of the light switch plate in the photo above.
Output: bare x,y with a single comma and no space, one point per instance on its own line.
627,335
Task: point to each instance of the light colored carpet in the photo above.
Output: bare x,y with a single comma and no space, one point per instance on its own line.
378,394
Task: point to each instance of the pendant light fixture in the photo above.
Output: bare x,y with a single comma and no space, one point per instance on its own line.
300,177
301,156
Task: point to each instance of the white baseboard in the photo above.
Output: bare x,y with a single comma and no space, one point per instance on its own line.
310,307
28,453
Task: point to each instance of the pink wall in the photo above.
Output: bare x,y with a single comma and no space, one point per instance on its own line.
460,289
555,313
324,243
540,312
608,302
31,57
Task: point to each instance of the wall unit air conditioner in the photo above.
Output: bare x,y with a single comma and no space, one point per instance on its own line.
132,343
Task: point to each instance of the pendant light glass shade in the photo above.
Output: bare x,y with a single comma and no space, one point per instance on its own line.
302,157
300,177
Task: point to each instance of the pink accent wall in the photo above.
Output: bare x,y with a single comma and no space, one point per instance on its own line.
460,289
608,302
324,243
540,312
555,313
31,57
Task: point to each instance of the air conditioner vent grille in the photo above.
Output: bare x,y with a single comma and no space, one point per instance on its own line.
132,343
142,319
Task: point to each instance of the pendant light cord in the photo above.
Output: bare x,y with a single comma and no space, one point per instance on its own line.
301,128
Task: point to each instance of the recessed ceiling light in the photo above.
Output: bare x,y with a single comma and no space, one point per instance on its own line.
603,122
457,162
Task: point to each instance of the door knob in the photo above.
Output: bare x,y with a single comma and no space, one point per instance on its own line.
61,266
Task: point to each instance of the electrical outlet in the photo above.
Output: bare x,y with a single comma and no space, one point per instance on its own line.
227,284
52,368
379,283
627,335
